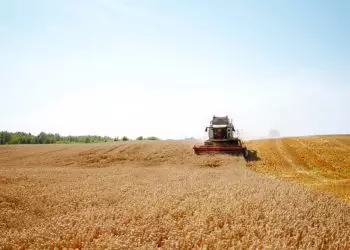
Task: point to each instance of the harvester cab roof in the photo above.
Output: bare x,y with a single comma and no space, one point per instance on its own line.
221,122
217,120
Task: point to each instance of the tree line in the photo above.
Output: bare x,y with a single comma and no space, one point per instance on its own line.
49,138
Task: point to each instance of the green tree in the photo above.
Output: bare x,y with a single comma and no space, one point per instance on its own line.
2,138
152,138
47,138
5,137
41,138
139,138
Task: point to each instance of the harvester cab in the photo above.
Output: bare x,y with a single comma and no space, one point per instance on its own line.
222,139
220,128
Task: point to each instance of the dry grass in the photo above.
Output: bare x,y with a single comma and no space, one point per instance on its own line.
152,195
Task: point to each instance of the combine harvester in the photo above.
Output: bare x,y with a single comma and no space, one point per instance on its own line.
222,139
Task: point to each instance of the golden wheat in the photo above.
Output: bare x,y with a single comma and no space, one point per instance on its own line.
153,195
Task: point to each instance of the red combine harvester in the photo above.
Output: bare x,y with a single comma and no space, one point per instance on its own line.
221,139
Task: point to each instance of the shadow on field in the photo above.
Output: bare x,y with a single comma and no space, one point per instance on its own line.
253,155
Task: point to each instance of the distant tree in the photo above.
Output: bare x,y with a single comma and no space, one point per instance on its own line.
2,137
41,138
44,138
116,138
30,139
5,137
15,139
153,138
139,138
8,137
125,138
274,133
57,137
190,138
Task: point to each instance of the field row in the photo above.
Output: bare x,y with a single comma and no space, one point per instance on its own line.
322,162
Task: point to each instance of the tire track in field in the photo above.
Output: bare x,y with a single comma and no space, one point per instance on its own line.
319,162
111,149
285,155
343,143
296,161
99,156
272,160
40,154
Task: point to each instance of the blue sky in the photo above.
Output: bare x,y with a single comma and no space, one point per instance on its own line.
165,67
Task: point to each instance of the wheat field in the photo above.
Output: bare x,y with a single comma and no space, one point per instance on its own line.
320,162
158,194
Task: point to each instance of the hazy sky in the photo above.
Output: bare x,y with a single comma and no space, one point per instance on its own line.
165,67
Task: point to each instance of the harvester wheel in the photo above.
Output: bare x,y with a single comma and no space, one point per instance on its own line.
246,153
